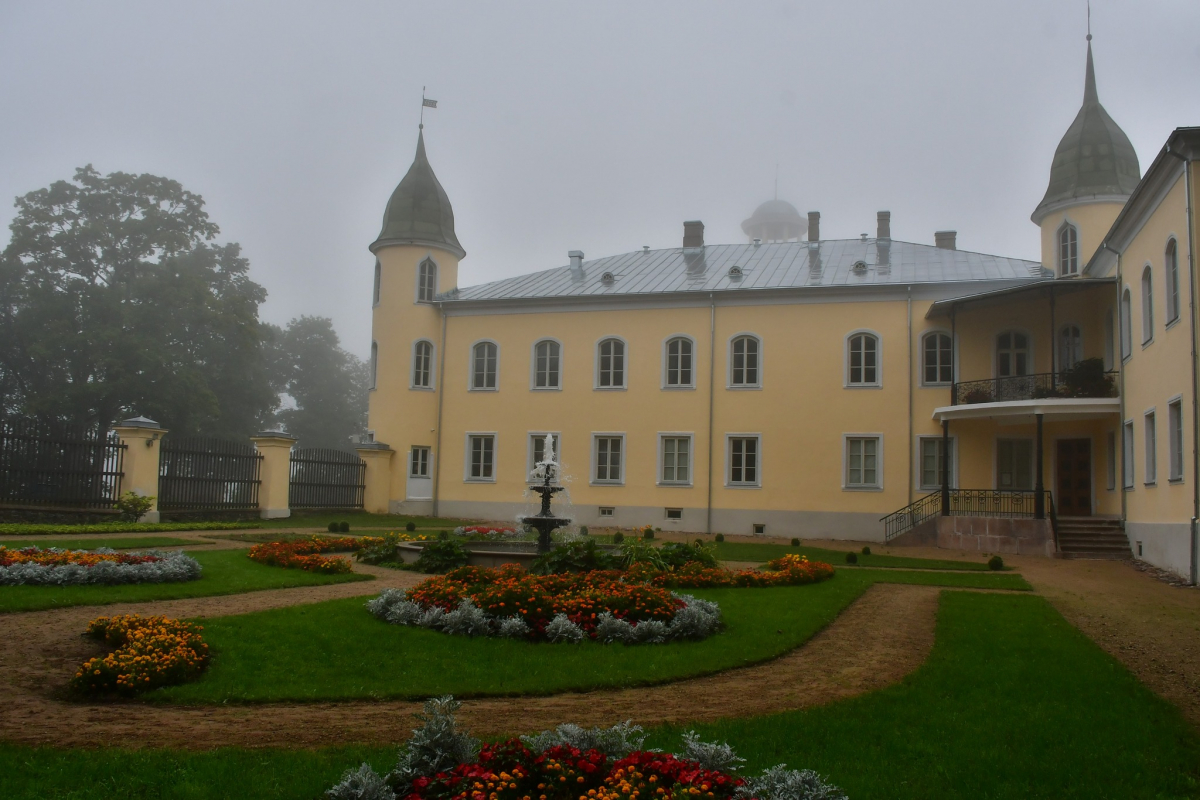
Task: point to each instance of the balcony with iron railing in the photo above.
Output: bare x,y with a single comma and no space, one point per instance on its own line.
1087,379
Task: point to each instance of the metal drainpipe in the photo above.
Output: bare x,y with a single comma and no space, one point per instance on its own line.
1190,213
712,359
911,454
1120,359
441,382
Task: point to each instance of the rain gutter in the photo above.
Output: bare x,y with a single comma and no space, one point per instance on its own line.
441,382
712,358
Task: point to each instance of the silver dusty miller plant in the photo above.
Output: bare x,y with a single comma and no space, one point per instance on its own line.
710,755
436,746
174,567
616,742
363,783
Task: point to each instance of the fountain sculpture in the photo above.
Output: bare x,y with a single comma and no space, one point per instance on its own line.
544,521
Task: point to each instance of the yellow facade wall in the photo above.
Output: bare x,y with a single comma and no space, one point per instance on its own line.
1092,220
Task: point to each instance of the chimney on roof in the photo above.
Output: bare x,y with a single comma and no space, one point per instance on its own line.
884,230
814,226
693,234
576,257
947,240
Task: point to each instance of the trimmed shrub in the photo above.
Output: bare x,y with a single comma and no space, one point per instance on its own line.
720,537
410,527
795,541
618,537
441,556
583,530
996,563
647,532
443,535
851,558
332,527
866,551
133,506
343,527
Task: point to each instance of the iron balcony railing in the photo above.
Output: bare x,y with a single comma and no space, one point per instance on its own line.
1034,387
1006,503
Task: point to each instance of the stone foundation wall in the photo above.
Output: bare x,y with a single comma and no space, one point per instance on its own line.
983,535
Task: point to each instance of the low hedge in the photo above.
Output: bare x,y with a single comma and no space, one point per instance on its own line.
34,529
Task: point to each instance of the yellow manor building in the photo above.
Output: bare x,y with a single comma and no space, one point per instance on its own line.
867,389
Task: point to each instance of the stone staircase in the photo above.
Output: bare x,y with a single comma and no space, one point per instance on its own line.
1092,537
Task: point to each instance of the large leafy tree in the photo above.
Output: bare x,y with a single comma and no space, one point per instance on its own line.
115,300
328,386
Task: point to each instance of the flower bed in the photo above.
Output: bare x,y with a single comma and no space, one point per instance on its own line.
568,763
150,652
790,570
601,604
487,532
307,553
55,567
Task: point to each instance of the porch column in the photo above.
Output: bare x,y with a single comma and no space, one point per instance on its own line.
1039,500
945,468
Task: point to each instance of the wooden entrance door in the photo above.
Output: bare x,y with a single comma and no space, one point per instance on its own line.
1074,495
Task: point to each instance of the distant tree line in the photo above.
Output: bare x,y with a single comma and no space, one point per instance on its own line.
116,299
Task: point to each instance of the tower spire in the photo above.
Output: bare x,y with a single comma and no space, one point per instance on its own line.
1089,81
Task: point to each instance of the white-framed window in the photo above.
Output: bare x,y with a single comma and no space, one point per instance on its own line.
1126,324
610,363
1175,439
1147,305
745,354
426,281
1110,440
1109,347
862,359
1127,453
744,457
863,461
675,459
937,359
1012,354
673,513
678,365
481,457
608,458
422,371
605,511
1068,250
547,365
485,362
1150,434
1014,463
929,455
375,286
537,450
1172,278
374,364
418,465
1070,347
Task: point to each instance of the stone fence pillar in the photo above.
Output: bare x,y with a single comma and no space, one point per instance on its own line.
275,473
378,478
139,462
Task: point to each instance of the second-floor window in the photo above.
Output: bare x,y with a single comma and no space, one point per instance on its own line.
1126,324
378,281
546,365
610,366
744,357
679,362
1147,305
1012,354
483,366
426,281
423,365
1068,250
1172,270
862,368
938,358
1070,347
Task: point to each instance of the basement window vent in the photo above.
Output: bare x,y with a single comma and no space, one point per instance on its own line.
674,513
760,527
606,511
860,267
735,272
607,278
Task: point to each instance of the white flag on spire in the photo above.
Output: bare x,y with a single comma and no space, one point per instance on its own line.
427,103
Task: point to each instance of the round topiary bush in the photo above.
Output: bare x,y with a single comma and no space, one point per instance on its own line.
795,541
720,537
583,530
648,532
344,527
866,551
332,527
443,535
851,558
410,527
996,562
618,537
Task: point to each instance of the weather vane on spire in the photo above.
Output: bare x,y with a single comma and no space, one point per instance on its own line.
425,103
1089,7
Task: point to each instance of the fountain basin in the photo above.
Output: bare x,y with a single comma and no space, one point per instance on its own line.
487,554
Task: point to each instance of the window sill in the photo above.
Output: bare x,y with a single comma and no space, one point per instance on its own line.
679,388
673,485
609,388
937,385
421,389
862,386
1149,484
862,488
483,391
743,485
606,483
545,388
747,388
1171,323
479,480
1147,342
1174,481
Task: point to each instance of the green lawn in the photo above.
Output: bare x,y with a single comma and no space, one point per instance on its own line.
336,650
92,543
360,519
1013,703
225,572
753,551
30,529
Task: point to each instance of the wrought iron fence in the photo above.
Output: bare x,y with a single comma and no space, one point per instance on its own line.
323,478
45,463
1033,387
1009,503
208,474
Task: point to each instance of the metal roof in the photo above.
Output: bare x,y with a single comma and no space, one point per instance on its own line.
419,211
783,265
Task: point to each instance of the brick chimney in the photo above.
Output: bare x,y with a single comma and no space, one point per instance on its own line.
884,230
693,234
947,240
814,226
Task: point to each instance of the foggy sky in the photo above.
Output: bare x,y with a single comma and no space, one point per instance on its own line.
561,126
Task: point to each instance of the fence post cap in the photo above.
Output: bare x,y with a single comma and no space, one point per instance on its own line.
140,422
273,435
373,446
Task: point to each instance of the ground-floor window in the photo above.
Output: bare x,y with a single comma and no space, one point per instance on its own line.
1151,444
1127,454
1111,442
1175,434
606,511
931,462
674,513
1014,463
609,458
481,457
862,462
676,459
419,467
743,460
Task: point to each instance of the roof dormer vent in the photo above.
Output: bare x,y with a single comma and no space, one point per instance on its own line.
860,267
735,272
607,278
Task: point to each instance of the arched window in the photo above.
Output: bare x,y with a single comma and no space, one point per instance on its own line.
1147,305
862,365
546,358
610,364
1126,324
483,365
938,358
1070,347
374,363
426,281
1108,340
1172,264
1012,354
679,362
1068,250
378,278
423,365
744,355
